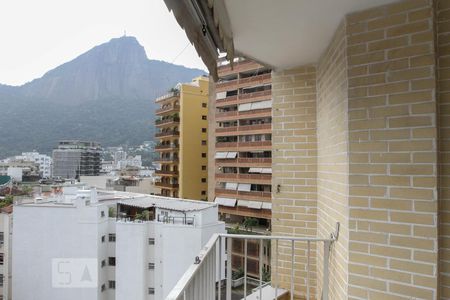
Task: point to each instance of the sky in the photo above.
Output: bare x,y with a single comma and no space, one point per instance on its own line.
37,36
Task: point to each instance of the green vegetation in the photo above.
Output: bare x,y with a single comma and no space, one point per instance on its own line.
7,201
112,212
249,223
237,274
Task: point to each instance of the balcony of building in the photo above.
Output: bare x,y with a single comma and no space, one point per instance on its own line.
171,120
243,146
244,191
166,173
244,127
208,278
234,114
255,175
169,97
167,159
168,109
166,133
167,185
230,84
167,147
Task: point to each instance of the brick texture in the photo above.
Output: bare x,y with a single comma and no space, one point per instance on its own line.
332,161
442,22
294,186
393,153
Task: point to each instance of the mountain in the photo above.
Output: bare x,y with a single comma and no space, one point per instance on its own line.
106,94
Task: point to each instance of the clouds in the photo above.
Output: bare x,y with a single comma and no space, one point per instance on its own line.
37,36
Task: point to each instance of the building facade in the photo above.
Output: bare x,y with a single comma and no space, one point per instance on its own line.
183,122
73,158
5,252
43,161
133,246
240,145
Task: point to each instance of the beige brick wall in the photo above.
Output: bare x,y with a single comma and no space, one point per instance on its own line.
442,15
392,152
376,138
332,175
294,157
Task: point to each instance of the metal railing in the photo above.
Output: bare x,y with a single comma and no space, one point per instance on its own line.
200,281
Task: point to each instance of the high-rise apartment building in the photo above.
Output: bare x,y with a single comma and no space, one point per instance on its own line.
75,158
240,144
182,123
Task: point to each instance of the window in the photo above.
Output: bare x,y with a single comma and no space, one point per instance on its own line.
111,261
203,142
203,104
203,117
112,237
103,263
203,154
203,193
2,238
1,258
151,241
203,179
103,287
1,279
112,284
203,129
102,213
151,291
103,238
151,266
203,168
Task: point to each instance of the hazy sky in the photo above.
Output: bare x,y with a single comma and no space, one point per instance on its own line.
38,35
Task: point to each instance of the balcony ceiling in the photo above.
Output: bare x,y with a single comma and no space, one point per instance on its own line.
288,33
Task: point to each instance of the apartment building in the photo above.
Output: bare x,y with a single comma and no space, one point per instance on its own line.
84,244
74,158
182,122
360,137
43,161
5,252
240,147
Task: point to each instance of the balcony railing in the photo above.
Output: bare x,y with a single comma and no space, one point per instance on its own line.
244,176
245,160
166,173
265,112
257,194
232,129
167,96
199,282
171,120
168,108
168,133
167,185
167,147
243,144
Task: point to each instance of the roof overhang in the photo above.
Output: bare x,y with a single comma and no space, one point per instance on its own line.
280,34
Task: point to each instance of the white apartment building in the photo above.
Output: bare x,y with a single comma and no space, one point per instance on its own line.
5,252
75,246
43,161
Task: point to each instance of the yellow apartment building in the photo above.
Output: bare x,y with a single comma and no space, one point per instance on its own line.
182,122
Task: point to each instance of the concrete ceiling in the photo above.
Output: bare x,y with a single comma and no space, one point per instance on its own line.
288,33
